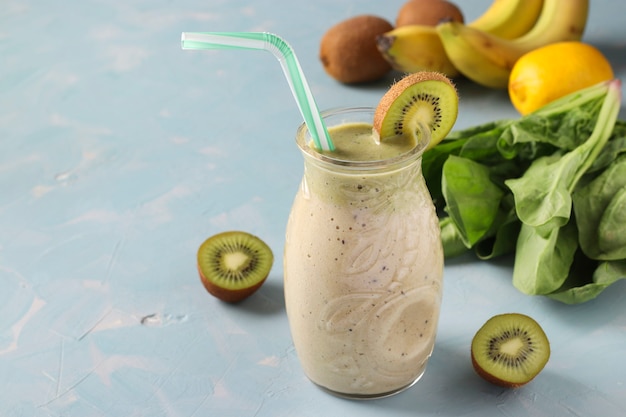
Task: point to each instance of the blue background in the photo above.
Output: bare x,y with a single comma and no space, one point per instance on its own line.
120,153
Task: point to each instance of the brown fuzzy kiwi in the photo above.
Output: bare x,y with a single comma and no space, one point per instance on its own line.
510,350
428,12
349,53
424,97
233,265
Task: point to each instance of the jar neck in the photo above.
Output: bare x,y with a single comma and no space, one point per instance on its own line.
372,169
357,187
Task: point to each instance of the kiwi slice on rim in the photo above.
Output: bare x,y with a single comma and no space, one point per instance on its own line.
234,264
510,350
426,97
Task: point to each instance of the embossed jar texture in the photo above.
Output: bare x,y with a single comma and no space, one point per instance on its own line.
363,267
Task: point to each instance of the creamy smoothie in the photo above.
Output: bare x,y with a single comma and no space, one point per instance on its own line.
363,266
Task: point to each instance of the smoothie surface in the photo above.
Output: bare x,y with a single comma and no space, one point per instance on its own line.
356,142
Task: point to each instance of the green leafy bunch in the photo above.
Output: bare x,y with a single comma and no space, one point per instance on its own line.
549,187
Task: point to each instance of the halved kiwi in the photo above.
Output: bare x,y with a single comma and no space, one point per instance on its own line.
425,97
234,264
510,350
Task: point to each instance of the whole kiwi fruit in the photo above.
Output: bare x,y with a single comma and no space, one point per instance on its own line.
428,12
349,53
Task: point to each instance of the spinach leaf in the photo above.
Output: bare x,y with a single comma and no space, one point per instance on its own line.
543,260
451,239
432,166
477,130
482,147
501,240
616,146
612,230
579,289
600,210
542,195
472,200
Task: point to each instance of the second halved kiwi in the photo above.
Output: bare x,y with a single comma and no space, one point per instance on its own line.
423,98
234,264
510,350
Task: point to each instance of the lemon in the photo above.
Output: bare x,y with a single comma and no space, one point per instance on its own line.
553,71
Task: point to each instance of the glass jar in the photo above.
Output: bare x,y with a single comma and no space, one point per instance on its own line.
363,266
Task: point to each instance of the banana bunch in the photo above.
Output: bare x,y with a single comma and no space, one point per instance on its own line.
485,49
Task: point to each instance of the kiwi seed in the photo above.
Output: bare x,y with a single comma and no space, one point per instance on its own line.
510,350
233,265
424,97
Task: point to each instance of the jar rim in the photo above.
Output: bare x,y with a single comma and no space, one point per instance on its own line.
304,140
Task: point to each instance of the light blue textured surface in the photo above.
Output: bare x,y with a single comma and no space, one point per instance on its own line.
120,153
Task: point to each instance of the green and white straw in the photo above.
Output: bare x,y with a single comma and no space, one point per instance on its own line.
288,61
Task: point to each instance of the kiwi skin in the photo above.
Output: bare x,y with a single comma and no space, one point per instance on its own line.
496,376
232,295
229,296
428,12
349,53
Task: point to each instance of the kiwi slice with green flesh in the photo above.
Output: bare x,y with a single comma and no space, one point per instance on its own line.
234,264
510,350
425,97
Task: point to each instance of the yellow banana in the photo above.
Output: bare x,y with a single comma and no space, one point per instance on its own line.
508,19
476,56
488,59
415,48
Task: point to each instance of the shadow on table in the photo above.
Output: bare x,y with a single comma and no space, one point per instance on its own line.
268,299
